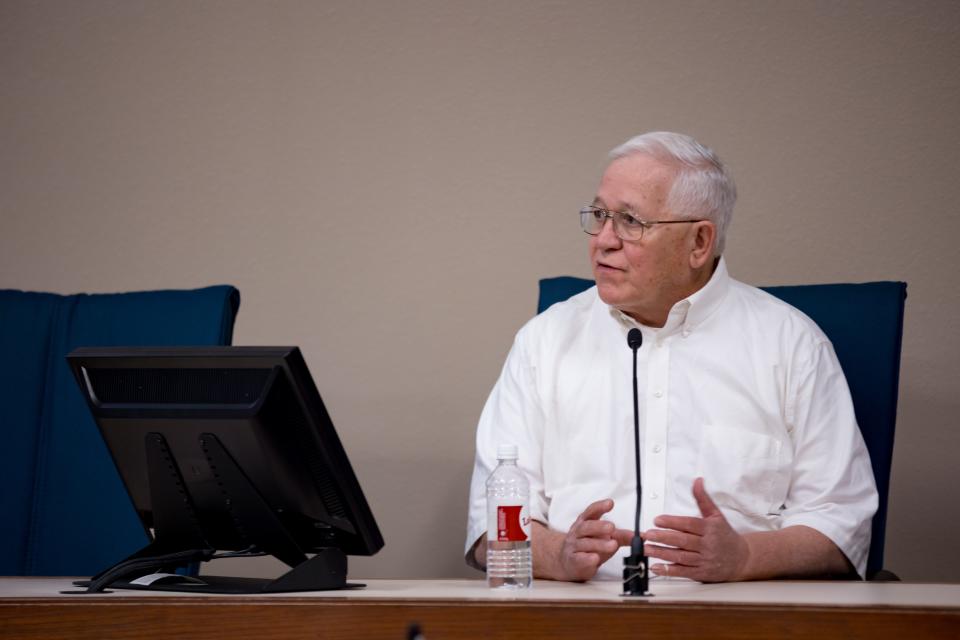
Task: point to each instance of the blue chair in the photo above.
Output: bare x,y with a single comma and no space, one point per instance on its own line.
865,324
65,510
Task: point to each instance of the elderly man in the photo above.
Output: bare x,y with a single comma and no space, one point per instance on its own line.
753,465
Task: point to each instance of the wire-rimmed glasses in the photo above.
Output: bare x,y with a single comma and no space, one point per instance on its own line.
626,226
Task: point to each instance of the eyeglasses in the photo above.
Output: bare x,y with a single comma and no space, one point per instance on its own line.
626,226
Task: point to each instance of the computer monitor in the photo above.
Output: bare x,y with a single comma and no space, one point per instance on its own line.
226,451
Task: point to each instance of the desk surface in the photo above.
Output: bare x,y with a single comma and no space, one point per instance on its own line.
784,593
34,608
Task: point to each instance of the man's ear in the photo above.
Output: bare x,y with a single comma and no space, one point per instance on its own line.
704,235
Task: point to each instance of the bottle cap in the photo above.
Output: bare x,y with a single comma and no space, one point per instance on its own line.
507,452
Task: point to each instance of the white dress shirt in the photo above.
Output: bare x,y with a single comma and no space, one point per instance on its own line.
737,387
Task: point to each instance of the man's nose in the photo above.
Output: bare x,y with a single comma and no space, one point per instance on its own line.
608,238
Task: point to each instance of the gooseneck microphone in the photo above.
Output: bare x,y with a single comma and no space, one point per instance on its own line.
635,576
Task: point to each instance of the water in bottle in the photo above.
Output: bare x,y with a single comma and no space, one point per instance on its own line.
509,560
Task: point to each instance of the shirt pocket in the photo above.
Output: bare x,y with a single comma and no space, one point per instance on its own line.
742,470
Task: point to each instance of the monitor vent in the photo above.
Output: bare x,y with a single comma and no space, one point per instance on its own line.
178,386
287,411
321,475
328,491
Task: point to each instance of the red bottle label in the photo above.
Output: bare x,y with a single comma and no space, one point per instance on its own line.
510,527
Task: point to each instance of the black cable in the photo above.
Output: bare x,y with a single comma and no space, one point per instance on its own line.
249,552
134,565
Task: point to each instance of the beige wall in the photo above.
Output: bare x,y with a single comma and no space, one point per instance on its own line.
386,181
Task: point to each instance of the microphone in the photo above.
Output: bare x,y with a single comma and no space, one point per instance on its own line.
635,579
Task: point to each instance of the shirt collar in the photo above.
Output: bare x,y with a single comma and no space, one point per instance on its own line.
687,314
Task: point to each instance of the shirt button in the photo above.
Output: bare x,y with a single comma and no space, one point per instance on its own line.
657,448
654,495
658,393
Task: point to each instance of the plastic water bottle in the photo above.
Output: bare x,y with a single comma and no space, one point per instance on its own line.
509,559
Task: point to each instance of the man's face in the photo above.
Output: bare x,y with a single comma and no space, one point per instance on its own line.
641,278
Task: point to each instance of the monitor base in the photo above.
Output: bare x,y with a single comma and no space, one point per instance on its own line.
326,571
229,585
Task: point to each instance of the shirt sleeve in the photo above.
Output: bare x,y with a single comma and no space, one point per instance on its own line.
512,415
832,489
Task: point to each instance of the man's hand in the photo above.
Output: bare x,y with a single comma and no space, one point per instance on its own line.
575,555
589,543
707,548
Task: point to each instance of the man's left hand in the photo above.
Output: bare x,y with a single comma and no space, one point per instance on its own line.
707,549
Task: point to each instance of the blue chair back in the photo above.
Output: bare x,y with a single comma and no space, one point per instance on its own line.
865,324
65,510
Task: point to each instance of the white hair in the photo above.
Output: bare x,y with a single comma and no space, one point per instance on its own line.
702,187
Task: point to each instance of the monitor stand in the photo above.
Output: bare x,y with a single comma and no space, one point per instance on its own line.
323,572
179,538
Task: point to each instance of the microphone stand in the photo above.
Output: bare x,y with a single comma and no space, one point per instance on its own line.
636,581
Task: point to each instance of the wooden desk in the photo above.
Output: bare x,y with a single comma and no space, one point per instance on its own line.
34,608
